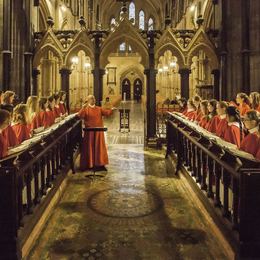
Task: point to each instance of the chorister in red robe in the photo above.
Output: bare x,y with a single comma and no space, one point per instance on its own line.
3,144
243,108
190,114
57,111
251,142
50,117
22,132
197,116
213,124
10,137
92,116
258,152
222,126
43,119
203,122
62,108
232,134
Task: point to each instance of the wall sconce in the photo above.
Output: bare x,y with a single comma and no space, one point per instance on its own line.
75,60
173,64
87,65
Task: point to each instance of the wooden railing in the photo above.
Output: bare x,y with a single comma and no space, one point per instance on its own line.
29,179
226,180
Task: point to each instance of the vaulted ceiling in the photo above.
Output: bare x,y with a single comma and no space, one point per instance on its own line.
152,8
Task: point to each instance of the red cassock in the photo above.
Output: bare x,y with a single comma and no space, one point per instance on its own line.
22,132
50,117
62,108
43,119
258,109
10,137
57,111
190,114
232,134
197,117
203,122
92,117
184,112
221,128
250,144
258,152
3,144
35,123
213,124
243,108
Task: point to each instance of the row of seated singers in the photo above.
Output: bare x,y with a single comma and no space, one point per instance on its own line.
19,123
237,123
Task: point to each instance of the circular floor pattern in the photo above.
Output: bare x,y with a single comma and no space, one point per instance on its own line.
125,202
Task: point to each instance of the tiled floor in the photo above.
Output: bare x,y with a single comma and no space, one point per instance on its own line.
139,210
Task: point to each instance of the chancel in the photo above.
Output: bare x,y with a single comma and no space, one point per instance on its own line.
129,129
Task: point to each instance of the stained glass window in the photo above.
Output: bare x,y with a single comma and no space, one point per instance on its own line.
141,20
150,24
122,47
132,12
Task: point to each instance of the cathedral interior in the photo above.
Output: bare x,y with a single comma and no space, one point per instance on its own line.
173,188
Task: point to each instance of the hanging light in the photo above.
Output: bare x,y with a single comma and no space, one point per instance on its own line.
192,8
87,65
75,60
173,64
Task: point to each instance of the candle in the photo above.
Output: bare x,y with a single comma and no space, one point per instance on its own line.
124,96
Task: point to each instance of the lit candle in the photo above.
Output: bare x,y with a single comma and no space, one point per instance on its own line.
124,96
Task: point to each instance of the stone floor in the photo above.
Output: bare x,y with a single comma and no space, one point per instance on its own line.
139,210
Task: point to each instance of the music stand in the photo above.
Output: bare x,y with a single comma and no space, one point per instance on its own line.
94,129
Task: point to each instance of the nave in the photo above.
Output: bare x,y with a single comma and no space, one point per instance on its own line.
139,210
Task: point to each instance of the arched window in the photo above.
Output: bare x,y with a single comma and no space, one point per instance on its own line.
122,47
141,20
113,21
150,24
132,12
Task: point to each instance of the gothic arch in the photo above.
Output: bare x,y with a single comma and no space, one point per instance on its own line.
168,42
44,13
125,32
201,42
40,52
80,43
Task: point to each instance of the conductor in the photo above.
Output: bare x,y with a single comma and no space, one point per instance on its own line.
93,117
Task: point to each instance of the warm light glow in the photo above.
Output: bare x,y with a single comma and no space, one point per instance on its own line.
106,72
75,60
160,70
165,68
173,64
63,8
87,65
192,8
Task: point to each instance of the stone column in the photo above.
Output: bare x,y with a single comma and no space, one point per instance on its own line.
98,84
245,16
27,74
97,71
35,81
7,26
223,52
151,91
216,75
185,82
65,84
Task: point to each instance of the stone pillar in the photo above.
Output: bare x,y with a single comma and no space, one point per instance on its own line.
185,82
35,81
97,71
245,16
223,52
216,75
7,26
150,104
27,74
151,91
65,84
98,84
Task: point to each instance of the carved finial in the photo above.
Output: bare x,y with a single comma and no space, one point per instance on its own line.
82,22
50,21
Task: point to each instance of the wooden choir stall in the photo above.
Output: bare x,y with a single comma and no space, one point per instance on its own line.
226,180
30,177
